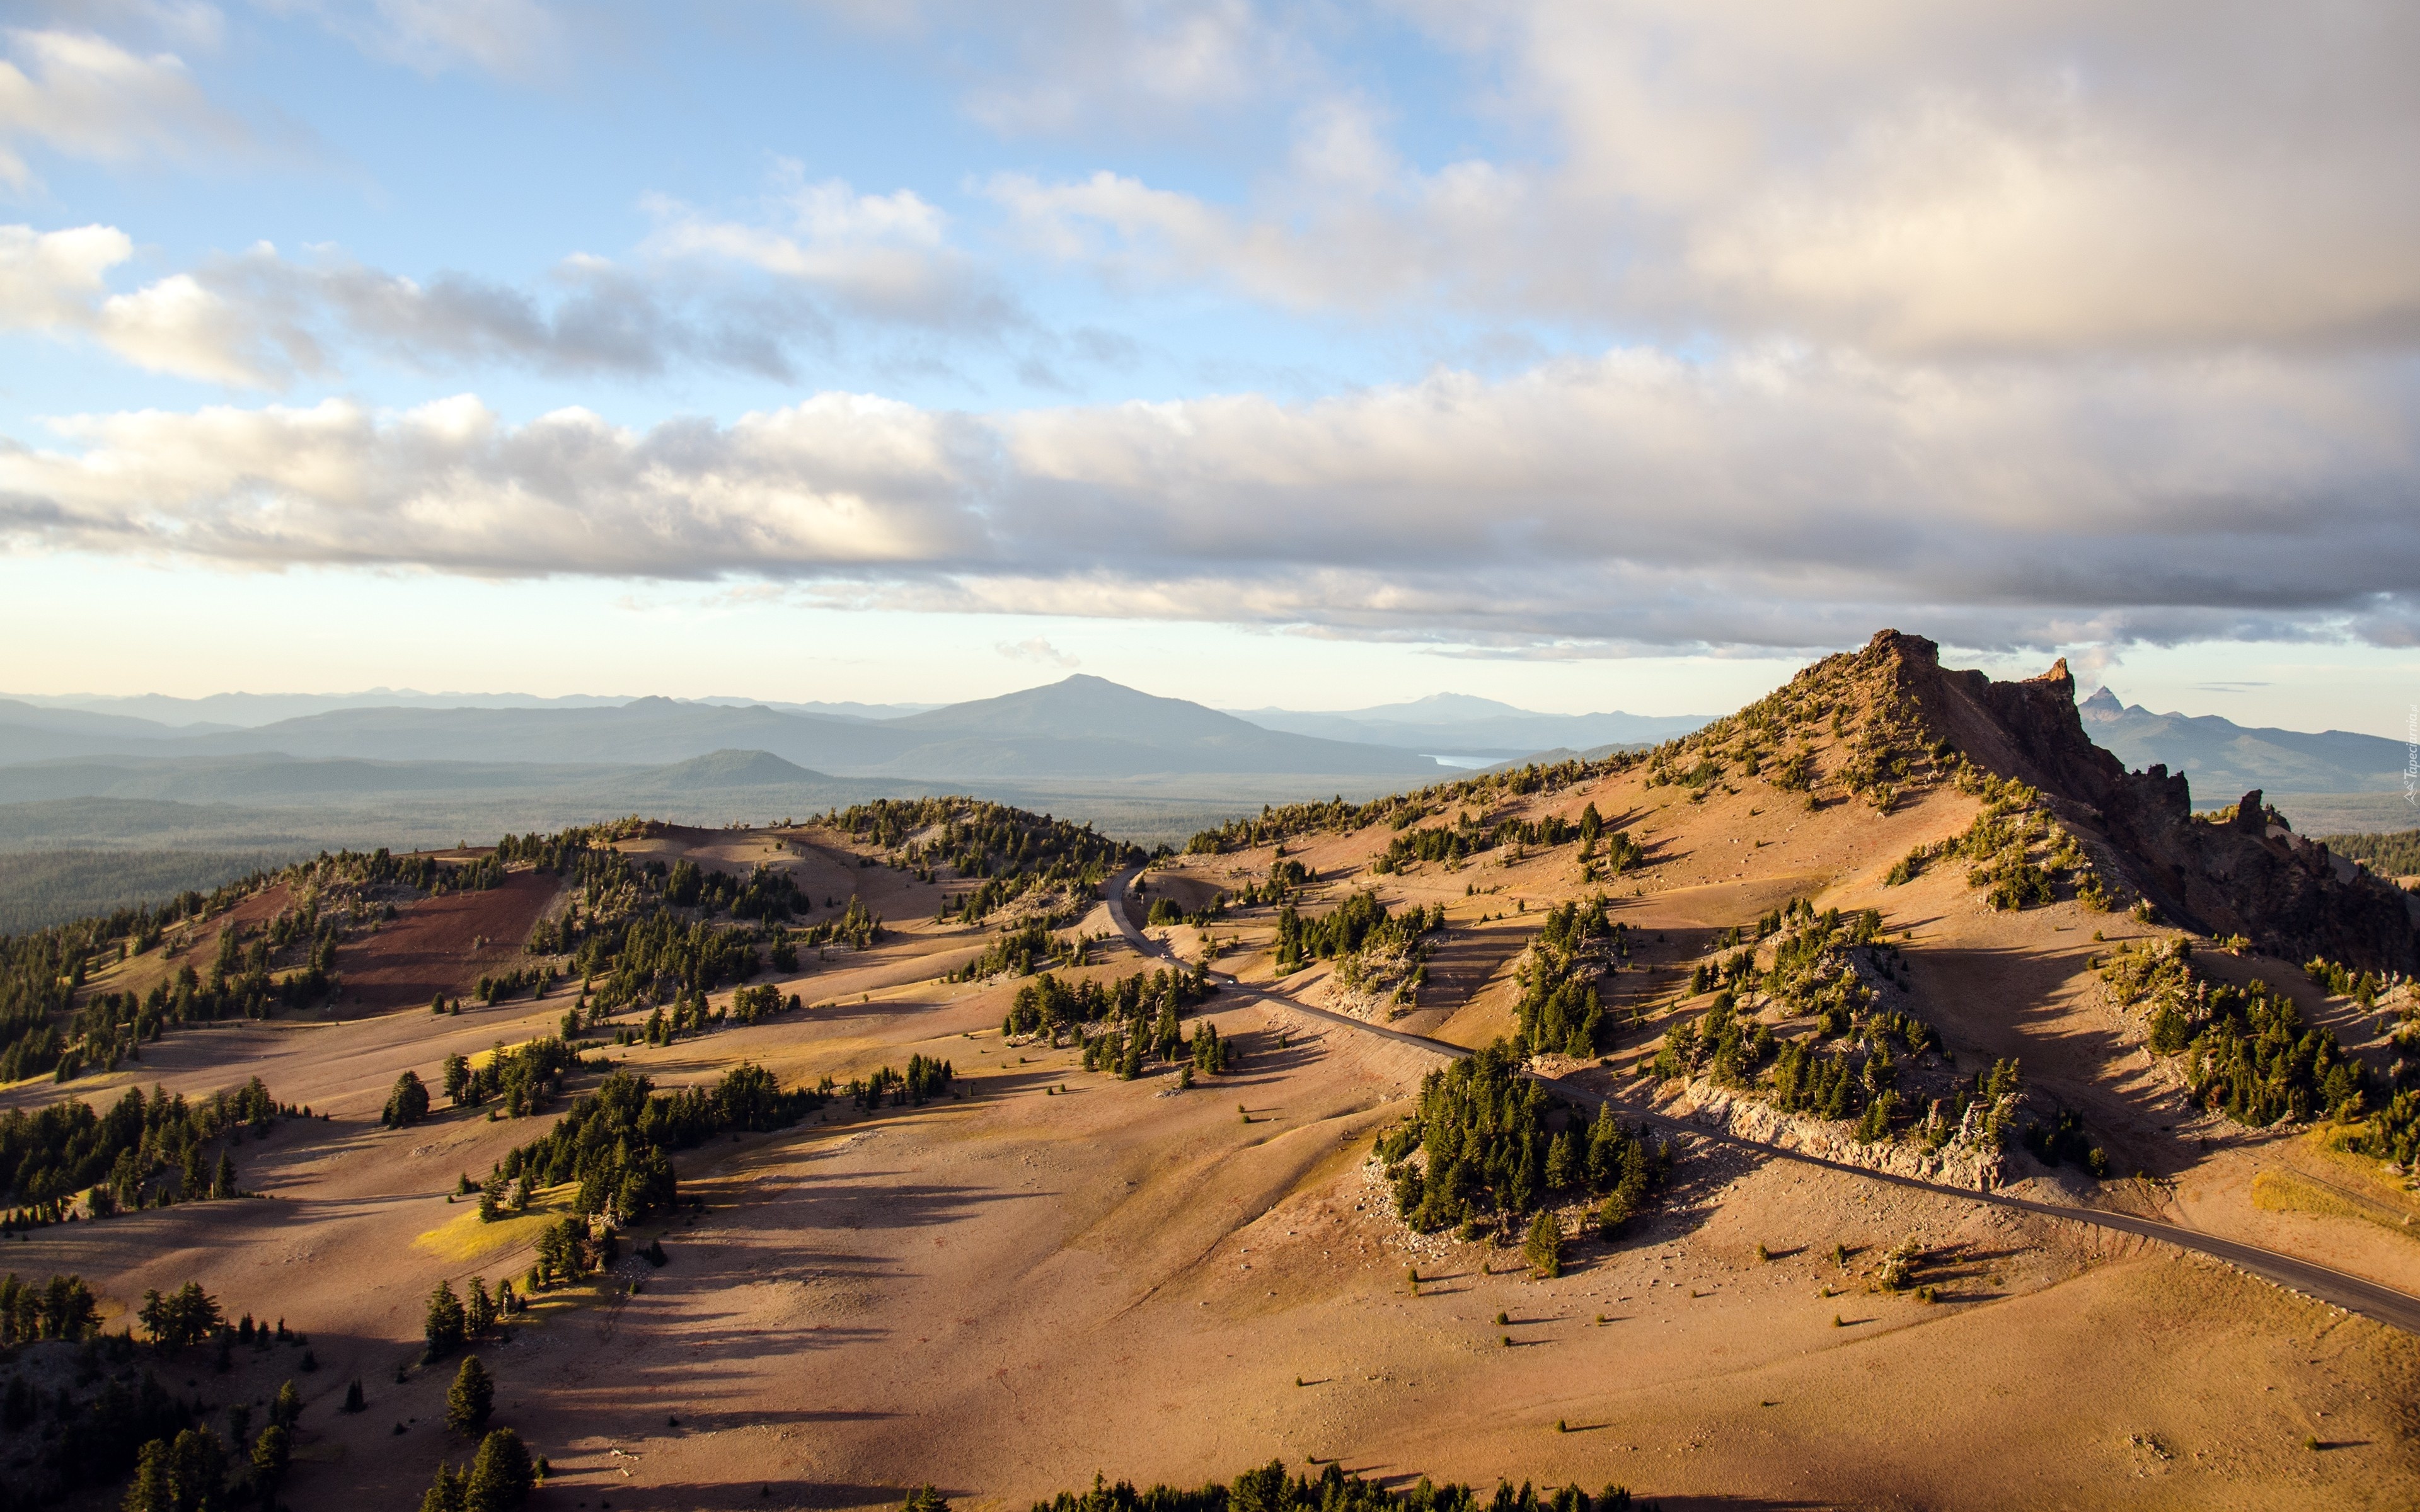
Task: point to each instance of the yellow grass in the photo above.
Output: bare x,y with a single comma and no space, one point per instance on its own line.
465,1238
2276,1191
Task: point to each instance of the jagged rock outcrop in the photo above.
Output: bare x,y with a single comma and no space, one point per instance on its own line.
2243,876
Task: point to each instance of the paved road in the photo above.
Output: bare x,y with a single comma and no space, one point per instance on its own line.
2353,1294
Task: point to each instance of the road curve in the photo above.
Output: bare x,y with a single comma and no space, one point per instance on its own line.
2354,1294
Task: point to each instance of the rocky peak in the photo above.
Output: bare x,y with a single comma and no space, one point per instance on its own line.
2229,877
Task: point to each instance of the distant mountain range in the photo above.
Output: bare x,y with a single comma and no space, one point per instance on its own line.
2224,759
1460,725
246,711
1081,728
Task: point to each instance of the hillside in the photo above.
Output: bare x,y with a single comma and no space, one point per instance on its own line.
1901,920
1458,724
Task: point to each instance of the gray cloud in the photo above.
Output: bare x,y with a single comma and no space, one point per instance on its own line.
1779,499
1890,176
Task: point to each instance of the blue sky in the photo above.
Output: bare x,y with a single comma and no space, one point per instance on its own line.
1584,355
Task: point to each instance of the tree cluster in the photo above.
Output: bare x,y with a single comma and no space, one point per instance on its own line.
1023,952
1487,1151
2247,1052
2396,855
1352,925
145,1151
1269,1489
1054,1010
1558,1011
499,1478
617,1141
926,1078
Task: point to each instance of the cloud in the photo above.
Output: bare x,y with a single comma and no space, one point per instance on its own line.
871,255
827,268
1899,179
259,319
1036,650
85,97
521,40
56,281
1776,499
1063,66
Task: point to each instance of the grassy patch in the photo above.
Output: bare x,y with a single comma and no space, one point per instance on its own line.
464,1237
2274,1191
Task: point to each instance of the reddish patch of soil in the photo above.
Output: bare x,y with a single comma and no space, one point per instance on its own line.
427,948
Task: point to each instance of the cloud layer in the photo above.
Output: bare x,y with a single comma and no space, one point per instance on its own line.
1776,499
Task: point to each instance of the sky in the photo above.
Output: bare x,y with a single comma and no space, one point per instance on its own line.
1582,355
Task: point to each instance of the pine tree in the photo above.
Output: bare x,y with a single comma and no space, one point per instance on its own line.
153,1490
287,1410
353,1402
223,1180
443,1327
445,1493
1543,1249
502,1476
270,1454
1563,1161
407,1105
471,1398
479,1311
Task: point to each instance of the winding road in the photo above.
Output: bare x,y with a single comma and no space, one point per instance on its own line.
2354,1294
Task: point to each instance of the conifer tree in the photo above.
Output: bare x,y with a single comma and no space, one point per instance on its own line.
271,1453
353,1402
223,1180
1543,1249
287,1410
443,1326
502,1476
445,1493
478,1310
471,1398
153,1489
407,1104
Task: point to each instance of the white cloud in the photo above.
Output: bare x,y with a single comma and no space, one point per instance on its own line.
1776,499
1897,176
55,281
1037,650
50,279
86,97
882,255
836,483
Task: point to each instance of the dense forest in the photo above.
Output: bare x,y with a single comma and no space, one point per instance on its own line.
2396,855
